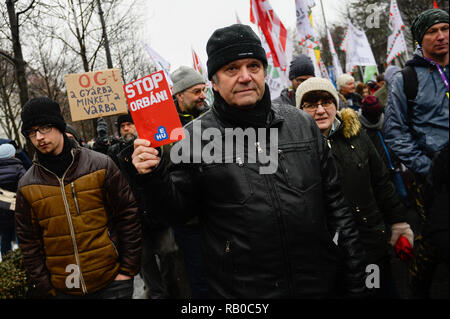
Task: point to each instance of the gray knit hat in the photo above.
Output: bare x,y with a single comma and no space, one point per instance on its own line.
301,65
185,77
315,84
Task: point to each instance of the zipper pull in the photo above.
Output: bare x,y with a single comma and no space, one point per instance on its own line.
75,198
227,248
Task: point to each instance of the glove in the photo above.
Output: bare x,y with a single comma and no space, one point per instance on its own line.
403,249
401,229
102,128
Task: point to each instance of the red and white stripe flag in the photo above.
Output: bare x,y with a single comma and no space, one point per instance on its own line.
262,14
200,68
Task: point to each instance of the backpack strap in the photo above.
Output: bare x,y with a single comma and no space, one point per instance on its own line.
410,86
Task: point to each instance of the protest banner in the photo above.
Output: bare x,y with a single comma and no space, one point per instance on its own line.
95,94
153,109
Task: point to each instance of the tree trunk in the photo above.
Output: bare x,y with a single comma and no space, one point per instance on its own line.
19,63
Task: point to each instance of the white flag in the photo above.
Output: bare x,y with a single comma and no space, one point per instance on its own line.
336,63
304,28
160,62
358,49
396,40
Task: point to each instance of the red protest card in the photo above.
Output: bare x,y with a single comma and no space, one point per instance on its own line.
153,109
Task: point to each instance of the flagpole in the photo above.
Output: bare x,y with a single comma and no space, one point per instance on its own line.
324,18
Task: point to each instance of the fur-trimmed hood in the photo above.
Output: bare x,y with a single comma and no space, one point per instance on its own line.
350,124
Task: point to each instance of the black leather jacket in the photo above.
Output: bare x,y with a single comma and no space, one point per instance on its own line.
265,235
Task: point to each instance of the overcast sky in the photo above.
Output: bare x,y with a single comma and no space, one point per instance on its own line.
174,26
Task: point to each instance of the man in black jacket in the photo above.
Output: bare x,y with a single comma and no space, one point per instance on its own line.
168,279
269,208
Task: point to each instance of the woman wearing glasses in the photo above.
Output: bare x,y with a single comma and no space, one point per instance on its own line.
364,178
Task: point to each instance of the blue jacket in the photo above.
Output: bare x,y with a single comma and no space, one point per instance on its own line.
428,133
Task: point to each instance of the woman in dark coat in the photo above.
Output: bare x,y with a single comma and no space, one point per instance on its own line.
11,170
364,177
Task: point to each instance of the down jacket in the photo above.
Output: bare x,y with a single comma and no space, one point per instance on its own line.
88,218
263,235
415,144
366,182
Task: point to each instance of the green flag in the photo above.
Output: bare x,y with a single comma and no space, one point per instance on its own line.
369,73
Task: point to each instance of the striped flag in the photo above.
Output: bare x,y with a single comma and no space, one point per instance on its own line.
396,40
262,14
336,63
237,18
200,68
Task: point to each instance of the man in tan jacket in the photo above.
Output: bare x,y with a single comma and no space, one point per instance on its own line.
76,217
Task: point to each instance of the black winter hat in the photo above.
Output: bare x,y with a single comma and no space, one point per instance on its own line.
40,111
301,65
235,42
123,118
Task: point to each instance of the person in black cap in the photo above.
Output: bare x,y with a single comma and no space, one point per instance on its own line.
76,218
72,133
166,279
128,133
300,70
267,230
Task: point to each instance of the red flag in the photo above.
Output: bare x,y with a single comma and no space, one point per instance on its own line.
435,4
261,13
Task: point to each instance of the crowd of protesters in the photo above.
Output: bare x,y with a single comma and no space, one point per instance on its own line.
353,163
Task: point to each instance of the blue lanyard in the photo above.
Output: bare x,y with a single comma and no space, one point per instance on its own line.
386,150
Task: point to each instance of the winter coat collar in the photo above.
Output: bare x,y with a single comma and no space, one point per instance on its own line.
348,123
418,60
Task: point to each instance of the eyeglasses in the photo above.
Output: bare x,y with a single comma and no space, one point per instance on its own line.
198,91
44,129
314,106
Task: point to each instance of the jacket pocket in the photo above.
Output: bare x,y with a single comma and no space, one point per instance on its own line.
227,183
74,195
299,165
113,244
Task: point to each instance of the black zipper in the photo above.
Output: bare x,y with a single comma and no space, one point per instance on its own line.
277,208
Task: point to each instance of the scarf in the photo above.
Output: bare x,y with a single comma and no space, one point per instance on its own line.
256,116
58,164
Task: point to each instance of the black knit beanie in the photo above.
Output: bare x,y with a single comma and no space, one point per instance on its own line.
235,42
301,65
41,111
123,118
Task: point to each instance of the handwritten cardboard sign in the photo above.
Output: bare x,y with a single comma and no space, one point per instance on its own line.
95,94
153,109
